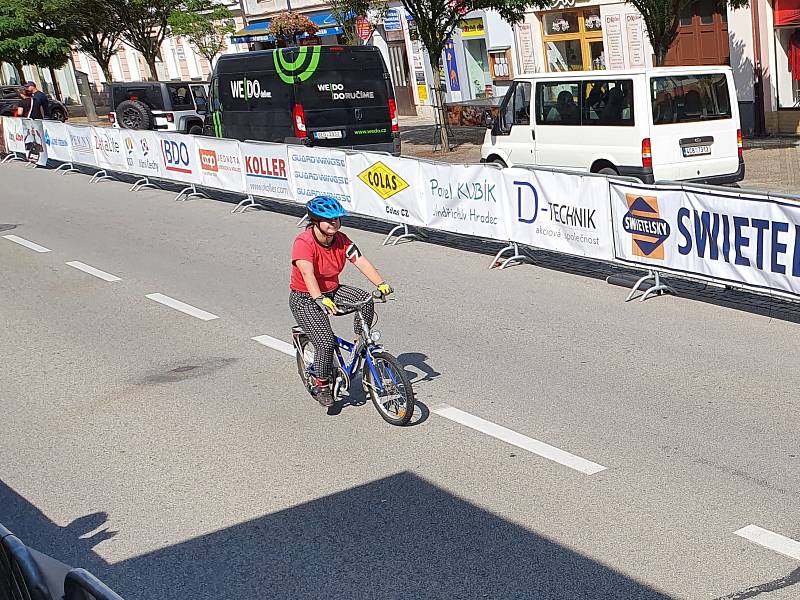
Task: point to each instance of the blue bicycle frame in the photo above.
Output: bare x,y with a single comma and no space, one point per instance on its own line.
357,356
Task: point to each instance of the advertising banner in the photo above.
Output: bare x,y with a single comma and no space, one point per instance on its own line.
179,157
468,199
316,171
33,140
108,149
3,129
730,237
560,211
386,187
141,150
14,136
56,140
220,164
266,171
81,145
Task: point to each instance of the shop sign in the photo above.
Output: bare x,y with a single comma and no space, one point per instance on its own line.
472,28
392,20
363,28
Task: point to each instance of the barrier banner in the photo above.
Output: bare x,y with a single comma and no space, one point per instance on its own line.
729,237
141,150
3,130
179,157
108,149
56,140
81,145
14,135
317,171
560,211
467,199
33,140
220,164
266,171
386,187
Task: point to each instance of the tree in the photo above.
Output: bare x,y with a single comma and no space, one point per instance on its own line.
346,13
92,26
205,24
146,24
661,21
435,21
287,26
28,36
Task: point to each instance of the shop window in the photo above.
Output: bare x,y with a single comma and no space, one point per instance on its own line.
607,102
787,56
573,40
557,103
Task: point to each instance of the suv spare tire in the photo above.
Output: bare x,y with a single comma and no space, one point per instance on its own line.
132,114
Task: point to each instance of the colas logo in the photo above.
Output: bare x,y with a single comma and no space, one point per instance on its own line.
647,228
382,180
208,161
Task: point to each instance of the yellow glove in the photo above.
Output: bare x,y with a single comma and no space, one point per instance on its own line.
326,305
385,289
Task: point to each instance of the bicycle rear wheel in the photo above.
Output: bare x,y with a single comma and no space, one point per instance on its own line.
304,360
395,400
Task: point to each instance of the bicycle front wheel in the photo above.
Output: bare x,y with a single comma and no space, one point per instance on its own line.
394,397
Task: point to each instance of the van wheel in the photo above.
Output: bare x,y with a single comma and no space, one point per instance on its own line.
195,130
499,161
608,171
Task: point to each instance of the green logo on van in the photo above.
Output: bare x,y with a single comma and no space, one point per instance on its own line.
284,67
216,119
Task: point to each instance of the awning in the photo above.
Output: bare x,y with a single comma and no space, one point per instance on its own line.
257,32
787,12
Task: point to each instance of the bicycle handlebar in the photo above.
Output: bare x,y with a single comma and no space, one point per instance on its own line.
346,308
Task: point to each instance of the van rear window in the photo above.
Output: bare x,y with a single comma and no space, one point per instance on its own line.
690,98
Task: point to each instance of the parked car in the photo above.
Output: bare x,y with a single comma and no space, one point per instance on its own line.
668,123
331,96
159,105
9,101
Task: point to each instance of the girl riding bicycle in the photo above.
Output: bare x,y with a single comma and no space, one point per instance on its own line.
318,257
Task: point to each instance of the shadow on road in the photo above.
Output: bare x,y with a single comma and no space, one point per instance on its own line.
395,538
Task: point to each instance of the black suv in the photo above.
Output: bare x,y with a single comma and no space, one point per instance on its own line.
9,101
161,105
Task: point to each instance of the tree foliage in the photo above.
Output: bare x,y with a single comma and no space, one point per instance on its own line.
287,26
29,35
661,19
346,13
205,24
146,24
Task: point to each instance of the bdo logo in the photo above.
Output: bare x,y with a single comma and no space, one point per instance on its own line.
176,156
648,230
208,161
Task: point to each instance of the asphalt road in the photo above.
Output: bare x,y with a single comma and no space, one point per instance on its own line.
175,457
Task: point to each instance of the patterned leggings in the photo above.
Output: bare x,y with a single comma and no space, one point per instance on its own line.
317,325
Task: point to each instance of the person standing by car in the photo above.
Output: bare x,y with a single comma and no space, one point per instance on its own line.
40,105
24,104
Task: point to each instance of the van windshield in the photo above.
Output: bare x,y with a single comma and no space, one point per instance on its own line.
690,98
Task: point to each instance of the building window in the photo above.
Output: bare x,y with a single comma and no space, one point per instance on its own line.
573,40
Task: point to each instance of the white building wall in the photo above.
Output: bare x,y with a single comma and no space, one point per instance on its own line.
740,36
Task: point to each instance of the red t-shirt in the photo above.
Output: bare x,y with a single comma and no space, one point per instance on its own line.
328,261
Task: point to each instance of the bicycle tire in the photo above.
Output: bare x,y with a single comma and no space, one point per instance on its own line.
402,415
302,368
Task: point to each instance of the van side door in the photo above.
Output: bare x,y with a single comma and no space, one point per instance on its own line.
514,131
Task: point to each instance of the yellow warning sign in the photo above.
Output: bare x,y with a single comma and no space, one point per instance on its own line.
382,180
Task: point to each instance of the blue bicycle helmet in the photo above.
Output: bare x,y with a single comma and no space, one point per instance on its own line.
325,207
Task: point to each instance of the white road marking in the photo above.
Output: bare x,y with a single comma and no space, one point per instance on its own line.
182,306
275,344
26,243
773,541
521,441
92,271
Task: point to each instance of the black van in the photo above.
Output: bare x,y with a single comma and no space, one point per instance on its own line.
329,96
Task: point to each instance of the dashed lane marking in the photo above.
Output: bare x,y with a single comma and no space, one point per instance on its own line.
92,271
521,441
27,243
275,344
769,539
182,307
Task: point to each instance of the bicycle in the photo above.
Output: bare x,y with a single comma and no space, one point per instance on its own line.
382,376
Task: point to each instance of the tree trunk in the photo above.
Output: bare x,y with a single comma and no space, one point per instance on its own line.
20,74
106,67
439,95
661,55
151,65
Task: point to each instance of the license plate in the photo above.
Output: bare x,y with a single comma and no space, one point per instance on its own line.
696,150
328,135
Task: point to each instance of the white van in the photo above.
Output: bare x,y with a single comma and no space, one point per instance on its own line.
670,123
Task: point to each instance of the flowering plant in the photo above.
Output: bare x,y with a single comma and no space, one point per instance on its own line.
287,26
